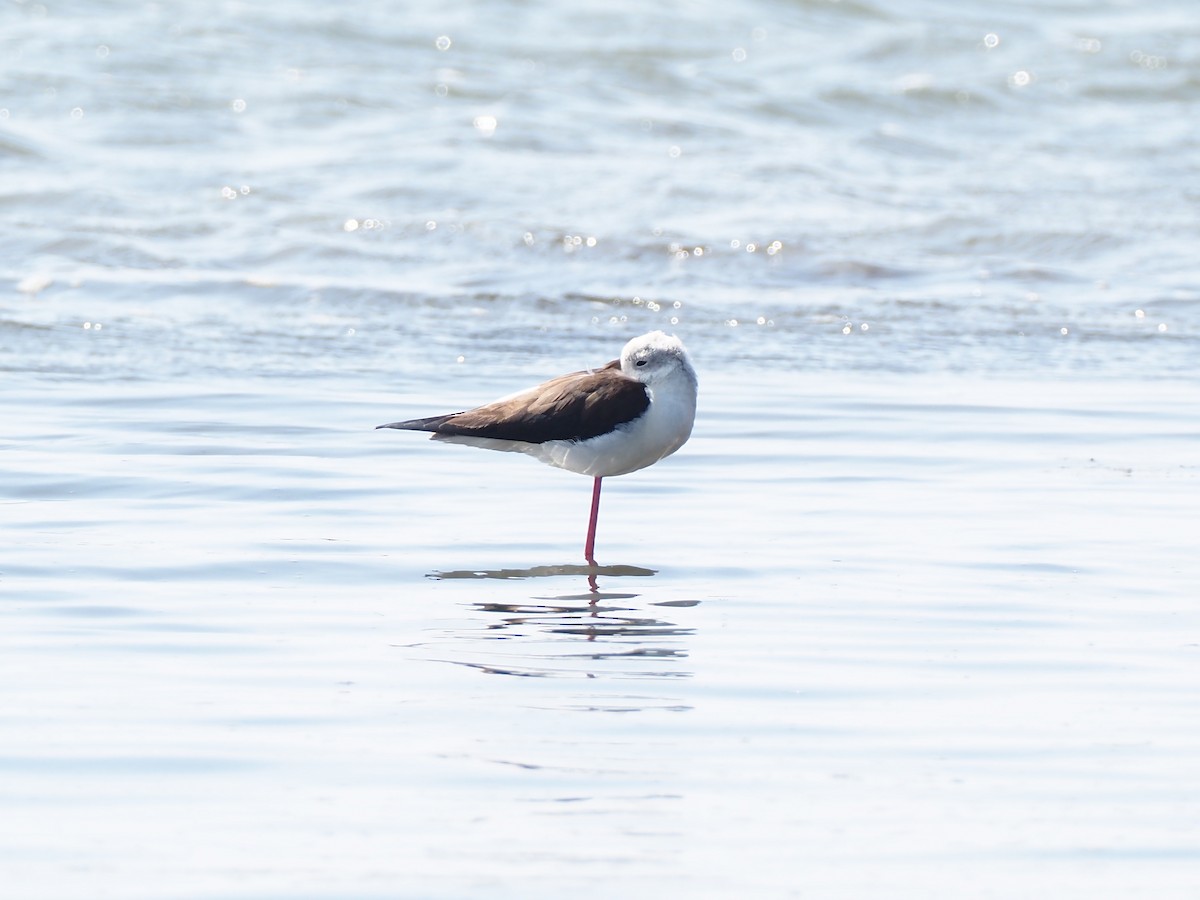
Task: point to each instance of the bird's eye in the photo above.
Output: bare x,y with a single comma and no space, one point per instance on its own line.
640,362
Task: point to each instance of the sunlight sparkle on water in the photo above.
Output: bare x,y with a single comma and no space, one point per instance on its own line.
1148,60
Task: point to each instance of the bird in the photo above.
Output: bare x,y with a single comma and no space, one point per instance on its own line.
618,418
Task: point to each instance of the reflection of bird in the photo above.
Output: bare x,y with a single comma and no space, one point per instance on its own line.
613,420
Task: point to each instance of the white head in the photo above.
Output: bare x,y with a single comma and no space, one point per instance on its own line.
655,358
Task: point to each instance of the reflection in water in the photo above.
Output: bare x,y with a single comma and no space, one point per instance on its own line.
591,621
546,571
542,637
592,572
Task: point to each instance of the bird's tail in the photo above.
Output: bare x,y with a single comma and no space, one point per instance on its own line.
433,423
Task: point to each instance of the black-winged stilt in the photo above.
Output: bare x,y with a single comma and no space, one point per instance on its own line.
602,422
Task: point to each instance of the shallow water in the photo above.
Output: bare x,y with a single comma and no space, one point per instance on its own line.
905,632
913,613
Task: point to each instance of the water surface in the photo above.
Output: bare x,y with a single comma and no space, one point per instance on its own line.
912,614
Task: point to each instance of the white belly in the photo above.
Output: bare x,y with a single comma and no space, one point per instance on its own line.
660,431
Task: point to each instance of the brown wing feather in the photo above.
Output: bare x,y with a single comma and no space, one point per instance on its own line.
571,407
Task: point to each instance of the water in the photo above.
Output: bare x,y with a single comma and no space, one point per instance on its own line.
912,614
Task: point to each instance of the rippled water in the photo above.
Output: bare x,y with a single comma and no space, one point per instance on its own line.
912,614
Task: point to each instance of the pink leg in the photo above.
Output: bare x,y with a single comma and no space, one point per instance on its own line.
589,549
